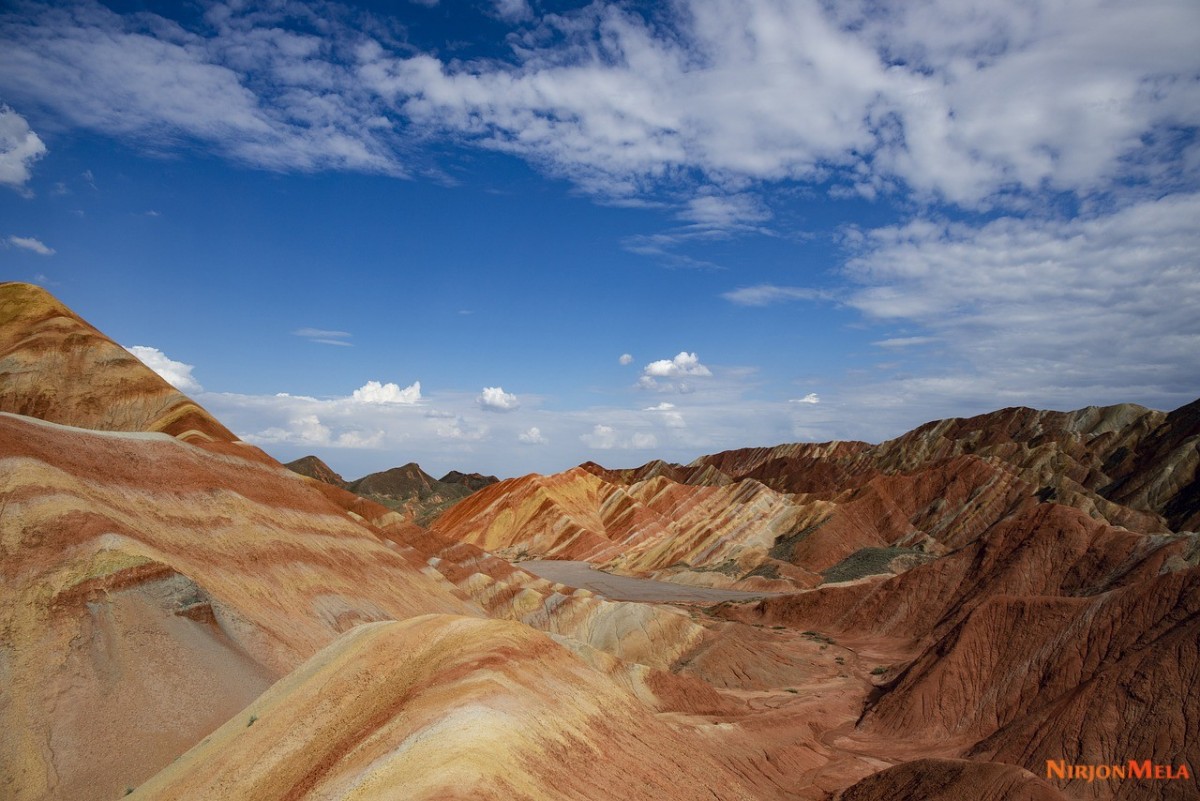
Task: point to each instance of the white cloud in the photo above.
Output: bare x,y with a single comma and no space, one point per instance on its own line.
29,243
605,438
241,81
811,397
728,212
495,399
513,10
602,437
767,294
669,415
684,364
457,428
375,392
643,440
532,436
324,336
903,342
20,147
959,102
626,358
1046,313
177,374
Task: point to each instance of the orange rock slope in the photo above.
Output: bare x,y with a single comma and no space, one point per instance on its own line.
183,618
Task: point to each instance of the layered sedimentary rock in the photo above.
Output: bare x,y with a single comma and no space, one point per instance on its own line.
45,348
182,617
437,707
646,527
150,588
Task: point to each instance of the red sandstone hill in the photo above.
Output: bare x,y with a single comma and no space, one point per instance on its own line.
45,347
181,617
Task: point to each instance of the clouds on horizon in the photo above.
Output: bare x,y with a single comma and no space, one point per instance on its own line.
1042,156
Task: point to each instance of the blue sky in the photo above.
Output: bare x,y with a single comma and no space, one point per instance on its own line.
512,236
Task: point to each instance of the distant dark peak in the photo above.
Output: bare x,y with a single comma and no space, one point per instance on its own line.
472,481
395,481
313,467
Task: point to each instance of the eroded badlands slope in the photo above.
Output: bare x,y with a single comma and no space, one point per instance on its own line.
44,350
155,586
182,617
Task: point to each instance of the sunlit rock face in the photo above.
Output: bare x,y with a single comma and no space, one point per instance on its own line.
940,616
56,367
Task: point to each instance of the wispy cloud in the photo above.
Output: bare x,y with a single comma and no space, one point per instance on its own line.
962,106
20,147
325,336
1097,309
903,342
769,294
29,243
276,89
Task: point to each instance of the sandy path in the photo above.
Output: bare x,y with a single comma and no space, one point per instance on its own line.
627,588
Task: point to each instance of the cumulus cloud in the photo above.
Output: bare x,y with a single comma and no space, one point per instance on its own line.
20,147
375,392
324,336
29,243
532,436
626,358
768,294
177,374
684,364
495,399
811,397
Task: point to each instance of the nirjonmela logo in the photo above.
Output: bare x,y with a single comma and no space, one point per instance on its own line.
1133,769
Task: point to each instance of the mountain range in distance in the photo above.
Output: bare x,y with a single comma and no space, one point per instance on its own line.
1000,607
407,489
